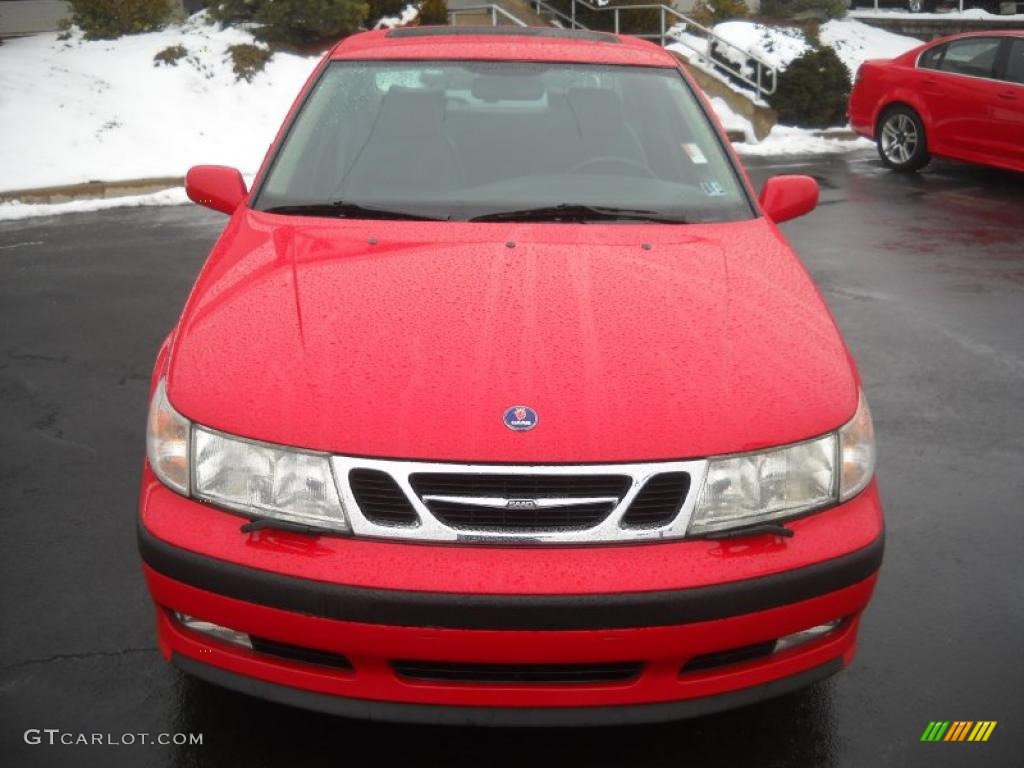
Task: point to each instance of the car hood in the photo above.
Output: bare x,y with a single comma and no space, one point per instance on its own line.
411,339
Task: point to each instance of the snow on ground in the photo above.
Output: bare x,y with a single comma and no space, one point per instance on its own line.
855,42
80,110
786,140
776,46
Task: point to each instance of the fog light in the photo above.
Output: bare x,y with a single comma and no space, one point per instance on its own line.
806,636
215,631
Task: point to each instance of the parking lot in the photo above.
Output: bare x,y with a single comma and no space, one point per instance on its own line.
925,275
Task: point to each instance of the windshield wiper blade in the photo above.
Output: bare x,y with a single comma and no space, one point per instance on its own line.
577,212
260,523
343,210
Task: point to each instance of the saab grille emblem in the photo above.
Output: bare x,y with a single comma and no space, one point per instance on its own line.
520,418
521,504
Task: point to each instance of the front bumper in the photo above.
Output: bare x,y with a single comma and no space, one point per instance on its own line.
377,602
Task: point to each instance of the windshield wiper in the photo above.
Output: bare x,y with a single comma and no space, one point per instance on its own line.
578,213
343,210
757,529
260,523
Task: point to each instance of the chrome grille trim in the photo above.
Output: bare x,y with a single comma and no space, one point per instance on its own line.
430,528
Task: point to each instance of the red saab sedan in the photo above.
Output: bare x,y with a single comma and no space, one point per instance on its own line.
502,399
960,97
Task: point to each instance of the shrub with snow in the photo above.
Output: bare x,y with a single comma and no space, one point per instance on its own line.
170,56
109,19
379,9
294,21
813,90
248,60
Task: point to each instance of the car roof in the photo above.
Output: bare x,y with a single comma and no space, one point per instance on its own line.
503,44
979,33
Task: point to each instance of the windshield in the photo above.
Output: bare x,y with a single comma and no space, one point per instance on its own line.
505,141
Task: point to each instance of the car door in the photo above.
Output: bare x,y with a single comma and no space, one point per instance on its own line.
961,94
1008,114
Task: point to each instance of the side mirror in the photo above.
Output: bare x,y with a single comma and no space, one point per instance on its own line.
787,197
215,186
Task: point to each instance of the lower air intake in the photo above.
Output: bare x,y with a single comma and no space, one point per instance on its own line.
518,674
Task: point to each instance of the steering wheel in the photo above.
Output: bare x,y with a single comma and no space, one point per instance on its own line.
612,160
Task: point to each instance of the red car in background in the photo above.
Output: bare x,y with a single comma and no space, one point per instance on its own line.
502,399
959,97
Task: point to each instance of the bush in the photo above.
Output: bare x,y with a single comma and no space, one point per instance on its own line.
813,90
248,60
305,21
170,55
109,19
433,12
711,12
807,9
294,21
230,12
378,9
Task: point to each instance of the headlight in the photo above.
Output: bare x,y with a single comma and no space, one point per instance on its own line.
857,443
167,441
266,480
784,482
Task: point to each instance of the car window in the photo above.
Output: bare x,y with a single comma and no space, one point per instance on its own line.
975,56
1015,62
457,140
931,58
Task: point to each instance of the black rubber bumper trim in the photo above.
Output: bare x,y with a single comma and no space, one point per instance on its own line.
507,612
631,714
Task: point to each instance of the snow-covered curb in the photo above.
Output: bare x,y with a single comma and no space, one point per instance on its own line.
786,140
15,210
969,14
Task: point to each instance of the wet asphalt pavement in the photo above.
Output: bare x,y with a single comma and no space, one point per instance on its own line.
926,278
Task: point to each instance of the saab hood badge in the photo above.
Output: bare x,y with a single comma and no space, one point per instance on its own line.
520,418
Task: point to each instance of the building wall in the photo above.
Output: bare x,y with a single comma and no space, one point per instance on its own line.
29,17
26,17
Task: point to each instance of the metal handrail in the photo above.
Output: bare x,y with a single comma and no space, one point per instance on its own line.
540,5
764,86
495,11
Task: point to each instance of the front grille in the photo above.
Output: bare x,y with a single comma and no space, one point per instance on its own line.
513,504
465,517
659,501
518,486
518,674
523,488
380,498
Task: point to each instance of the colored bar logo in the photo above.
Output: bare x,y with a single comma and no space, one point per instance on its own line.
958,730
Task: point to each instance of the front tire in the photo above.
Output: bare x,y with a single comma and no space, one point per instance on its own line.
902,144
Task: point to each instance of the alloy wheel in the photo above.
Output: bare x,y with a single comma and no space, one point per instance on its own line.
899,139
